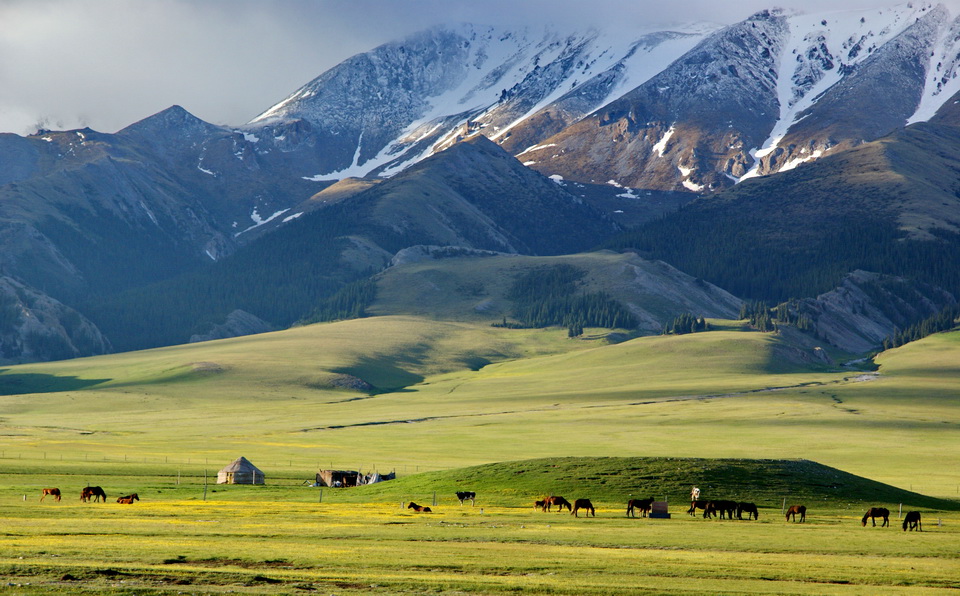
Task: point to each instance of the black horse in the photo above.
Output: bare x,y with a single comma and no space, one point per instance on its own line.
749,508
644,505
912,520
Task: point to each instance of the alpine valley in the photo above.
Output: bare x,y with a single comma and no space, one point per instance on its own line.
800,170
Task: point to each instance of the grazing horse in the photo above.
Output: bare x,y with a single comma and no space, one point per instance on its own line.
584,504
541,505
93,492
129,499
694,505
873,513
644,505
560,502
749,508
419,508
53,492
912,520
794,510
727,508
467,496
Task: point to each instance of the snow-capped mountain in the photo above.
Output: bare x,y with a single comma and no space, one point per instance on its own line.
699,108
764,95
383,110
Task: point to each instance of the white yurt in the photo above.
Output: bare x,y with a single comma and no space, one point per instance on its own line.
241,471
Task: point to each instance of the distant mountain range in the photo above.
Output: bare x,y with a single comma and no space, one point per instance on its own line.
572,138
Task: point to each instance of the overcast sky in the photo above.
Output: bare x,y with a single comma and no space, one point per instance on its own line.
108,63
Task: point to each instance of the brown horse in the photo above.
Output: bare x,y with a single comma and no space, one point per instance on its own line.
912,520
873,513
584,504
644,505
93,492
129,499
419,508
560,502
794,510
749,508
53,492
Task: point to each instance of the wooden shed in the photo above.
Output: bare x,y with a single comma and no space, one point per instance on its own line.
241,471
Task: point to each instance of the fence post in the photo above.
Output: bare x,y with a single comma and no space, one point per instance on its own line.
204,484
321,496
900,513
783,510
434,498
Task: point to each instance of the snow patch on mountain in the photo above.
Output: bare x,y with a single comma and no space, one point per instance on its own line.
821,49
942,81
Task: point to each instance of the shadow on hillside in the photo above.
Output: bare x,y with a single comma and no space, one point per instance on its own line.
19,384
381,373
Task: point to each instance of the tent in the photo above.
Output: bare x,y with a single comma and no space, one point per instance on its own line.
241,471
350,478
337,478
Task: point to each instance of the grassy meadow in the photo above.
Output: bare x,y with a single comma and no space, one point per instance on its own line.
430,399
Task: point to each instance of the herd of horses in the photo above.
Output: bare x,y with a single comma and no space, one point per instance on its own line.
724,509
89,494
717,508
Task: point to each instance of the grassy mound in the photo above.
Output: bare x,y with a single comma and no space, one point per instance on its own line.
614,480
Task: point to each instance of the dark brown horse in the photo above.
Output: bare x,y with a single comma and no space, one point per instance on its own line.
644,505
419,508
560,502
584,504
53,492
93,492
749,508
873,513
912,520
694,505
129,499
797,509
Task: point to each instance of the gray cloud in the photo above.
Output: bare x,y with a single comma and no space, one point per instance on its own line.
108,63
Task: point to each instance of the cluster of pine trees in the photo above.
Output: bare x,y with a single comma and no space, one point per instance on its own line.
750,258
764,318
686,323
945,320
547,296
350,302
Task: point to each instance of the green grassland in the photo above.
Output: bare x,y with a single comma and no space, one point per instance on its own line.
513,414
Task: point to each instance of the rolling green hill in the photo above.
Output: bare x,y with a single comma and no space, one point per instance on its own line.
410,393
613,480
477,288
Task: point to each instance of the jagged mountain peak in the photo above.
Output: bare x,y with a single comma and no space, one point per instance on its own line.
174,119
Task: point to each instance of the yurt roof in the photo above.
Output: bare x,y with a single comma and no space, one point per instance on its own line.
241,464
